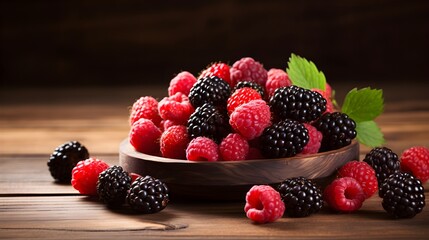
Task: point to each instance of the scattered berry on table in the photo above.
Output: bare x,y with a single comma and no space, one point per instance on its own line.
241,96
297,103
315,140
233,148
363,173
112,186
144,136
415,160
257,87
277,78
344,195
182,82
384,161
148,195
263,204
218,69
202,149
403,195
301,197
283,139
85,175
338,130
64,159
176,108
247,69
211,90
250,119
174,141
145,107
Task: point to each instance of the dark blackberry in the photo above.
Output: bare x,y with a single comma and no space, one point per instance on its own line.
338,130
210,89
208,121
112,186
64,159
297,103
384,161
283,139
403,195
301,197
148,195
253,85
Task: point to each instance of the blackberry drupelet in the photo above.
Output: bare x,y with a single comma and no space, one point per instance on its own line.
112,186
210,89
249,84
283,139
338,130
297,103
301,197
148,195
384,161
403,195
208,121
64,159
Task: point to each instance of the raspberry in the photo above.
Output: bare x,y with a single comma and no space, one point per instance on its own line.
176,108
165,124
363,173
315,140
85,175
182,82
325,95
247,69
212,90
233,148
263,204
250,119
415,160
145,107
344,195
112,186
144,136
218,69
148,195
277,78
253,85
202,149
241,96
174,141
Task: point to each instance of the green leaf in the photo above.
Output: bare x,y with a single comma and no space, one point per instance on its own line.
364,104
304,73
369,134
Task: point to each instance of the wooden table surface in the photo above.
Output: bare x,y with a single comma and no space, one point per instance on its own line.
35,121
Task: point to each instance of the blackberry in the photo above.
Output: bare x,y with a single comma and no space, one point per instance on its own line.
253,85
64,159
210,89
301,196
148,195
403,195
297,103
338,130
384,161
208,121
283,139
112,186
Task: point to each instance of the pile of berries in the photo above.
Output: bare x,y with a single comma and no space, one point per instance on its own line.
238,112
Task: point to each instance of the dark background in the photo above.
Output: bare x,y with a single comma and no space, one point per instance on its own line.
97,43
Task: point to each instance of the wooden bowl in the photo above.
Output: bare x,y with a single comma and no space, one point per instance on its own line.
229,180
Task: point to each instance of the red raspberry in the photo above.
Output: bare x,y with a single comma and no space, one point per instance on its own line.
241,96
202,149
165,124
276,78
174,141
145,107
233,147
85,175
325,95
219,69
363,173
344,194
182,82
263,204
250,119
144,136
176,108
247,69
415,160
315,140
